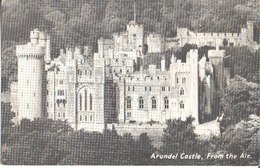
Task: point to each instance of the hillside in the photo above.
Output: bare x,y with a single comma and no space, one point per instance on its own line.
83,22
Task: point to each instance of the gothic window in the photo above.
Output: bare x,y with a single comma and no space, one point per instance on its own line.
183,80
182,91
80,102
90,102
166,103
181,105
64,102
153,103
58,103
128,114
86,99
141,103
128,102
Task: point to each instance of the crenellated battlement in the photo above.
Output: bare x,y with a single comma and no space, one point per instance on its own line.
213,35
29,49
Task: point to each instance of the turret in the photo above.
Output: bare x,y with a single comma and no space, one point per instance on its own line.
216,59
30,77
135,35
250,28
48,50
163,64
34,36
42,39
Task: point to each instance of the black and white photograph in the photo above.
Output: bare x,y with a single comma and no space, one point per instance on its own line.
130,82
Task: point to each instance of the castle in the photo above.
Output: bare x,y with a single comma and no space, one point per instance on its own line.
117,84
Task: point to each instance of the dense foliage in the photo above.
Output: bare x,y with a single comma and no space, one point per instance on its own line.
44,141
82,22
239,100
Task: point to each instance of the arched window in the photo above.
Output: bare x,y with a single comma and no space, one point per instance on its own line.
86,99
182,91
64,102
166,103
90,102
80,102
153,103
177,80
184,80
128,102
141,103
181,105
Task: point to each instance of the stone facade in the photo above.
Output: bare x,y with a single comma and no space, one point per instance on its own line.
114,85
248,36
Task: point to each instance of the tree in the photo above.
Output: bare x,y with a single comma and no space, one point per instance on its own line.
6,122
174,134
239,100
144,150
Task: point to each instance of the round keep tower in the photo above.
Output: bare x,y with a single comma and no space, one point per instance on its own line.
30,76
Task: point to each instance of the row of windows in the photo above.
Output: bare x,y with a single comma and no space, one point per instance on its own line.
86,118
61,92
183,80
164,88
86,101
84,72
59,115
150,88
153,103
60,102
146,88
